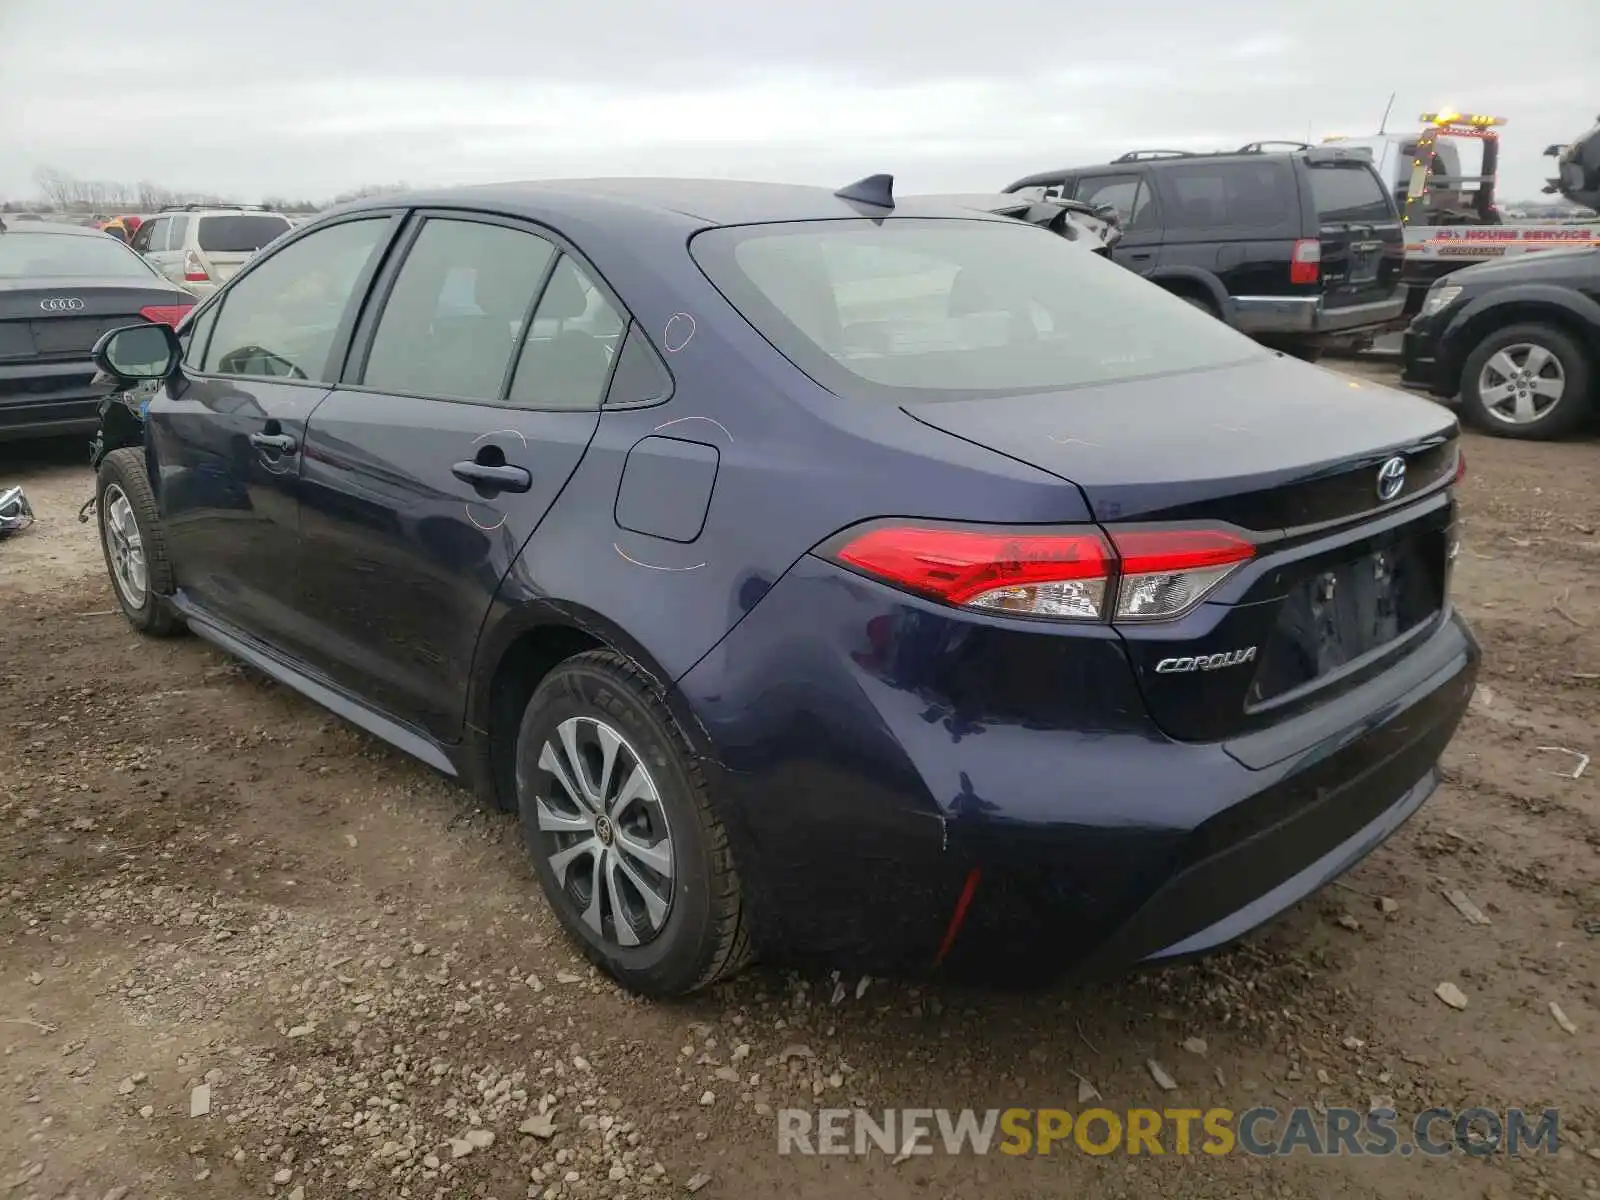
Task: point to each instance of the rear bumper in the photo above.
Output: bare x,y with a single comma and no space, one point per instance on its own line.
49,399
872,760
1309,316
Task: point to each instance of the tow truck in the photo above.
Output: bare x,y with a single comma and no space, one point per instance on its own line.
1448,225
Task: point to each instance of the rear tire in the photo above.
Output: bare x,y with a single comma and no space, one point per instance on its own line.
134,544
633,859
1528,381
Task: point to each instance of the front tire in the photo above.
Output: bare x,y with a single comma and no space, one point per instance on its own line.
1527,381
624,840
134,544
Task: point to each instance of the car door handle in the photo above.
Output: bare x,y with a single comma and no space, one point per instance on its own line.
278,443
491,478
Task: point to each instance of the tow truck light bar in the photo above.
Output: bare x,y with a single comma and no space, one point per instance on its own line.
1449,116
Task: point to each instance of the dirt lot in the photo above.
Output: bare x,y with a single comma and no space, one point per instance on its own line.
205,880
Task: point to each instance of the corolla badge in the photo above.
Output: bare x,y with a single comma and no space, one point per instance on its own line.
1391,478
1206,662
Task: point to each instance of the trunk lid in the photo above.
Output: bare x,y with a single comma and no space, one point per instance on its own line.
1268,445
63,318
1343,579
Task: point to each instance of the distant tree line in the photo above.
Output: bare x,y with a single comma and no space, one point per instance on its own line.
66,193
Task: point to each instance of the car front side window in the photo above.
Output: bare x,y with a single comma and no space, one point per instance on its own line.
280,320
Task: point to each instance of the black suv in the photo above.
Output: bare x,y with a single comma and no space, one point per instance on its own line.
1300,249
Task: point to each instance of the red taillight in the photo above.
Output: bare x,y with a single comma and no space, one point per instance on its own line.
1461,465
1058,574
193,271
165,314
1141,575
1305,266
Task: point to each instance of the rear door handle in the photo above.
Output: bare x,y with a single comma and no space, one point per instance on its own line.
278,443
493,479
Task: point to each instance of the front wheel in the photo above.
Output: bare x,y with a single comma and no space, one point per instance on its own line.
624,840
134,545
1527,381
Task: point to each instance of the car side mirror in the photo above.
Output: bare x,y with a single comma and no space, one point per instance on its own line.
138,352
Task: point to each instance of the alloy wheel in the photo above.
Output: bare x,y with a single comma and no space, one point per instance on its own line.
1520,383
604,832
124,546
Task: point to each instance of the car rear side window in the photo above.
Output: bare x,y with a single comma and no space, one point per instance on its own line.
280,320
1349,192
954,309
152,235
576,332
1258,196
178,234
1129,194
456,313
242,234
640,376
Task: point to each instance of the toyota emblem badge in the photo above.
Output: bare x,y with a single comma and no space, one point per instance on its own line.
61,304
1391,478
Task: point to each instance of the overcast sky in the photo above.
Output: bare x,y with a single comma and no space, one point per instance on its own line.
310,97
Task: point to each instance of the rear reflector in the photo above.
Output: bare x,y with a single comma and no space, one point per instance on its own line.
1074,574
165,314
1305,266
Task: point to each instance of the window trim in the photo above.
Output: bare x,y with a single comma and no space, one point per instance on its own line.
347,322
360,346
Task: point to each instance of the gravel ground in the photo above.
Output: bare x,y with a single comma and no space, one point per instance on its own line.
247,951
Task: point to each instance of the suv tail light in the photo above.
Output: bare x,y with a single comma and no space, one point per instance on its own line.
1305,265
1069,574
193,270
165,314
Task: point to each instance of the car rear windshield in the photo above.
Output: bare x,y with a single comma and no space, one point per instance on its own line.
68,256
953,309
1349,192
239,235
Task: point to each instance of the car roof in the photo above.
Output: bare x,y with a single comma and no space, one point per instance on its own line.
54,227
668,201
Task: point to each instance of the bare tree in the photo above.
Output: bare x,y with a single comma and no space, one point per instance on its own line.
370,189
55,186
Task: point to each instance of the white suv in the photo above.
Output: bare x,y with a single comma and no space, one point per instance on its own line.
200,247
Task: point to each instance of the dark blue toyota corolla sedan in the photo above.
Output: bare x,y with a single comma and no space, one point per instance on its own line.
894,586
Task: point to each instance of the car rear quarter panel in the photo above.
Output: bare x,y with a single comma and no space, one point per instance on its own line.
795,464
